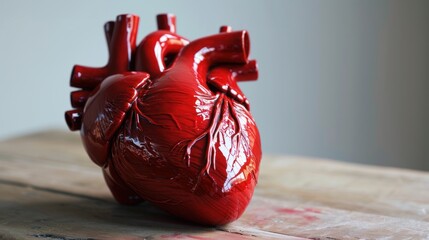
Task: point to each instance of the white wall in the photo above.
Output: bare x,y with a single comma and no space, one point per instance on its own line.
339,79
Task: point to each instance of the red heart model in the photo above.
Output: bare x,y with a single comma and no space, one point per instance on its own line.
167,121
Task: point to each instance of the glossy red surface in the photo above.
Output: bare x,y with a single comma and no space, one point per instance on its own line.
173,126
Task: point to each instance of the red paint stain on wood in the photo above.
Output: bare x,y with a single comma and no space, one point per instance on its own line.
307,213
290,211
310,218
314,210
182,236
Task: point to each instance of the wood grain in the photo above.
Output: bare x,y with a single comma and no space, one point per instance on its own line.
49,189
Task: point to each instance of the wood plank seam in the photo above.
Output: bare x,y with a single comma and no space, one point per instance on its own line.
50,190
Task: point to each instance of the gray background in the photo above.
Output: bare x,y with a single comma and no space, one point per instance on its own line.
347,80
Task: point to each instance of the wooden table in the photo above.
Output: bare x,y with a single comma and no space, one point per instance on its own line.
49,189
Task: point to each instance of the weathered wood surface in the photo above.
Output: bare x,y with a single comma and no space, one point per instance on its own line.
49,189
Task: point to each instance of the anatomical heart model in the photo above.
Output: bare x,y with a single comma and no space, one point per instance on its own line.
167,122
